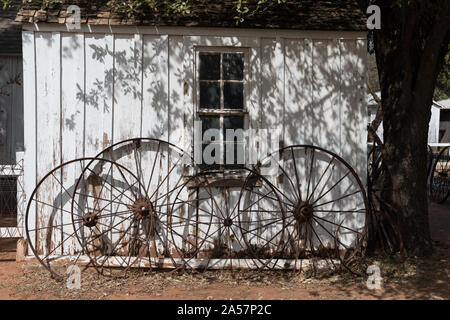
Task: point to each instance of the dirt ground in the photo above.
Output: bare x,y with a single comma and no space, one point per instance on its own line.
411,279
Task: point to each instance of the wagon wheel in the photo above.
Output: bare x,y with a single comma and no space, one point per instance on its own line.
262,221
48,220
114,217
158,165
190,217
440,177
157,168
226,229
325,204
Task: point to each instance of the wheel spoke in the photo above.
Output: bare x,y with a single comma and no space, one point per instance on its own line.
339,181
340,226
165,178
310,171
111,183
320,179
153,169
294,189
326,230
338,199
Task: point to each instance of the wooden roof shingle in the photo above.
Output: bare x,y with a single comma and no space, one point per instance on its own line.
301,15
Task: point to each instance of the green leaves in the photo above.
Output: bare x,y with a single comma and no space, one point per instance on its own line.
442,88
242,8
139,8
6,4
181,6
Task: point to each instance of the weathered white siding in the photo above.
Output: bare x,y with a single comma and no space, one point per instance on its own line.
88,89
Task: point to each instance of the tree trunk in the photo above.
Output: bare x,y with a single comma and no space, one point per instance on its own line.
406,105
409,50
405,186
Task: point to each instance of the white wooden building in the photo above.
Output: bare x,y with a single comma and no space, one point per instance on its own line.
301,72
439,132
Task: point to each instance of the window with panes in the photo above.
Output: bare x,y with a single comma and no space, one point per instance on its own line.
221,87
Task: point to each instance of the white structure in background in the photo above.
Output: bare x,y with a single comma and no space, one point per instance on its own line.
439,130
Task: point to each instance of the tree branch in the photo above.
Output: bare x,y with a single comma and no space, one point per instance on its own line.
436,42
379,117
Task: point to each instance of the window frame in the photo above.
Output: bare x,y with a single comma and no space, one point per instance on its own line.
222,112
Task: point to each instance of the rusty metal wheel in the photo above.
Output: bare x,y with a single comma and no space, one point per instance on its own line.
159,166
262,221
156,163
217,221
154,171
440,177
324,201
49,222
120,224
190,217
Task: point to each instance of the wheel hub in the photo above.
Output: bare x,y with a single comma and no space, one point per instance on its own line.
303,212
228,222
90,219
142,208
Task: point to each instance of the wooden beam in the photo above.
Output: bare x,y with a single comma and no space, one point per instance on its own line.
208,264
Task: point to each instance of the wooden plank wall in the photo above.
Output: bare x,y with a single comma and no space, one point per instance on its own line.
88,90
